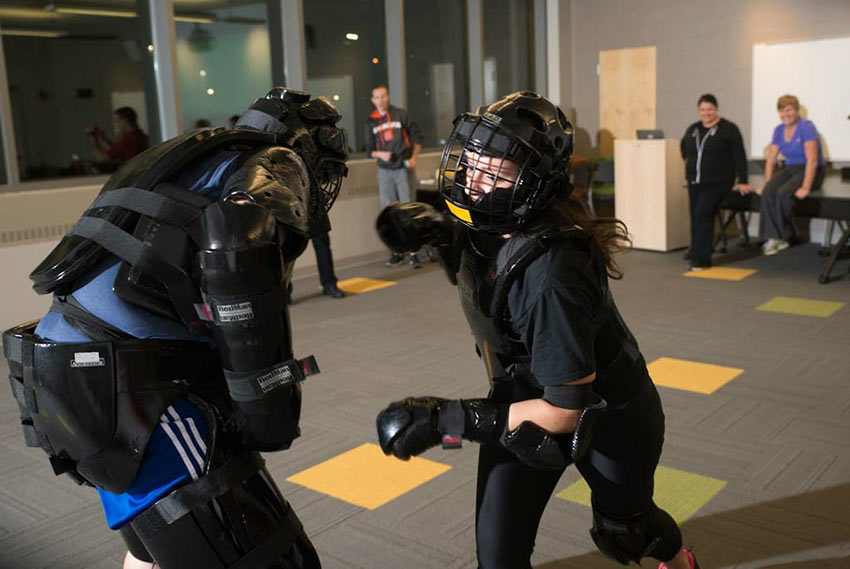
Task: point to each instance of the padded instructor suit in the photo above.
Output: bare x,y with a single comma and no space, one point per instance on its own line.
165,362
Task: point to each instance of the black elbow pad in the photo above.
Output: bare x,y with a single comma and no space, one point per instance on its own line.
242,281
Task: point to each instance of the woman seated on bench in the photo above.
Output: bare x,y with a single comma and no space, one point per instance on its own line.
797,139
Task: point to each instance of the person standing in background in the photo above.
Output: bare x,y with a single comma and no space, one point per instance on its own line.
395,141
798,140
714,156
324,259
131,139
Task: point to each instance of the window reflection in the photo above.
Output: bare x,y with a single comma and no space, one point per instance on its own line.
508,55
435,40
68,72
344,43
223,60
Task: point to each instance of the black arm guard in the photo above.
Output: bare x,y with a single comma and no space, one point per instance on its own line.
242,282
406,227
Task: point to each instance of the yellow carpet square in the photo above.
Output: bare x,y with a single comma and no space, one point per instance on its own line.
678,492
721,273
691,376
362,284
801,306
365,477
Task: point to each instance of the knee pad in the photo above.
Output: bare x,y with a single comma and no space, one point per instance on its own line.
632,538
232,518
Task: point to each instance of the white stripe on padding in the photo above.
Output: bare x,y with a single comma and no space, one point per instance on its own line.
197,435
189,443
180,450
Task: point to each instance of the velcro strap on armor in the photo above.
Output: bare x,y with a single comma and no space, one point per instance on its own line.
251,385
450,424
134,251
279,541
148,203
19,393
195,495
31,437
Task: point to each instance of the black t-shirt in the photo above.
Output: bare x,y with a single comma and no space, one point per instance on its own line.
553,305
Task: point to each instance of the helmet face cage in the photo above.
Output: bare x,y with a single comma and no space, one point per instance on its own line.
489,177
329,174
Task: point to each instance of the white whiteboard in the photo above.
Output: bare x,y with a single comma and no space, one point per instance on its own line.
816,73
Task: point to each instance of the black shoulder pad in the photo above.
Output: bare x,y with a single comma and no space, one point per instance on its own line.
277,179
230,226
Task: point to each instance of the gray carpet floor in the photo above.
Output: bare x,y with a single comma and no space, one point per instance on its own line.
779,434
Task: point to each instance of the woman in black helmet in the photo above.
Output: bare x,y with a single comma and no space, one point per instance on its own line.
568,382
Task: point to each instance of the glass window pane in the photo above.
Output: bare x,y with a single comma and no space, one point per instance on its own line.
223,60
68,70
508,56
437,76
344,42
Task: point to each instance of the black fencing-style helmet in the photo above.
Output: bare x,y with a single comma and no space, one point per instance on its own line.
307,126
521,145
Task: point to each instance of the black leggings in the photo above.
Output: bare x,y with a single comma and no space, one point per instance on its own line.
511,496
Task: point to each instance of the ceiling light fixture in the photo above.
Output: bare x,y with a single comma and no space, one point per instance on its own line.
92,11
194,19
352,36
117,13
32,33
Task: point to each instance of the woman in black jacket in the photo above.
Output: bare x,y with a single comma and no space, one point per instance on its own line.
714,155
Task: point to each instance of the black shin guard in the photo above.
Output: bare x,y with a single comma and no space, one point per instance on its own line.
233,518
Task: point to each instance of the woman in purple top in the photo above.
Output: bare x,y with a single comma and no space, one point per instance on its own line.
797,139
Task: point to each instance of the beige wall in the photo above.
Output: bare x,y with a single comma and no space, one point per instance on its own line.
703,47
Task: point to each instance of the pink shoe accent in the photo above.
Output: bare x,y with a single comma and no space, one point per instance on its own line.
691,561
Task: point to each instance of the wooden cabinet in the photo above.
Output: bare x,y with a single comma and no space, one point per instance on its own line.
650,196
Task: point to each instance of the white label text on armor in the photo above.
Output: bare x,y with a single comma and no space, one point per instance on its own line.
87,359
235,312
275,378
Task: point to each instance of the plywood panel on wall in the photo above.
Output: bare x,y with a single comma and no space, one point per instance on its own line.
627,97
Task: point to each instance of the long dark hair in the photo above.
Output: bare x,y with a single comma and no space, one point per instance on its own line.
609,233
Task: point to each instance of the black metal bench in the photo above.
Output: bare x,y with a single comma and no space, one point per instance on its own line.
831,202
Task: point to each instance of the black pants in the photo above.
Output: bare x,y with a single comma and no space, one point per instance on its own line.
324,259
511,497
777,201
704,201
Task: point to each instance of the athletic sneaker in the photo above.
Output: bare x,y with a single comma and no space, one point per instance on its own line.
414,262
774,246
394,260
